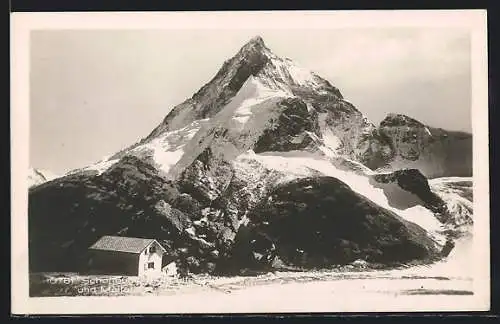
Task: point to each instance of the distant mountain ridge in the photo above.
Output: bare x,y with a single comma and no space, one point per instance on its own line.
39,176
433,151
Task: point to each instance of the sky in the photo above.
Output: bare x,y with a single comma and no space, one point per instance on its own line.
94,92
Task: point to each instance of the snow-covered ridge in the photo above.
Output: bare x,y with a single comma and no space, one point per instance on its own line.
164,150
254,59
38,176
167,149
100,166
283,70
237,126
332,143
288,72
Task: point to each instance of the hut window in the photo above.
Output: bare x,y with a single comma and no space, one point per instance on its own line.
151,265
152,249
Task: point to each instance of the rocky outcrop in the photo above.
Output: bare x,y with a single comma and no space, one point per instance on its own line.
317,222
292,130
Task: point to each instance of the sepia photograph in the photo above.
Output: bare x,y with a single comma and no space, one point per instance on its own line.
250,162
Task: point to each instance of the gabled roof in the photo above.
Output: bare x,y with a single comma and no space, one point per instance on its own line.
123,244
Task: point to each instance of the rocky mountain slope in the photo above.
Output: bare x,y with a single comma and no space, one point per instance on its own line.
264,153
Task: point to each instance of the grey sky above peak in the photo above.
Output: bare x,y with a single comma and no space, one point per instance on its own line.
93,93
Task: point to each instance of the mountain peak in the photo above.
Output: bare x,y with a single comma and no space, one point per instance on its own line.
255,45
254,59
256,40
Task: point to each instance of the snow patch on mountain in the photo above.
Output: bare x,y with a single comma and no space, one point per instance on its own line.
252,92
167,149
331,141
100,166
165,158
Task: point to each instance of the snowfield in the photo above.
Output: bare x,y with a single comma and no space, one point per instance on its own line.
252,93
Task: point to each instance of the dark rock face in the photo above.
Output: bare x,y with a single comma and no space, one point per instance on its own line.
413,181
410,179
252,250
315,222
290,131
206,178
